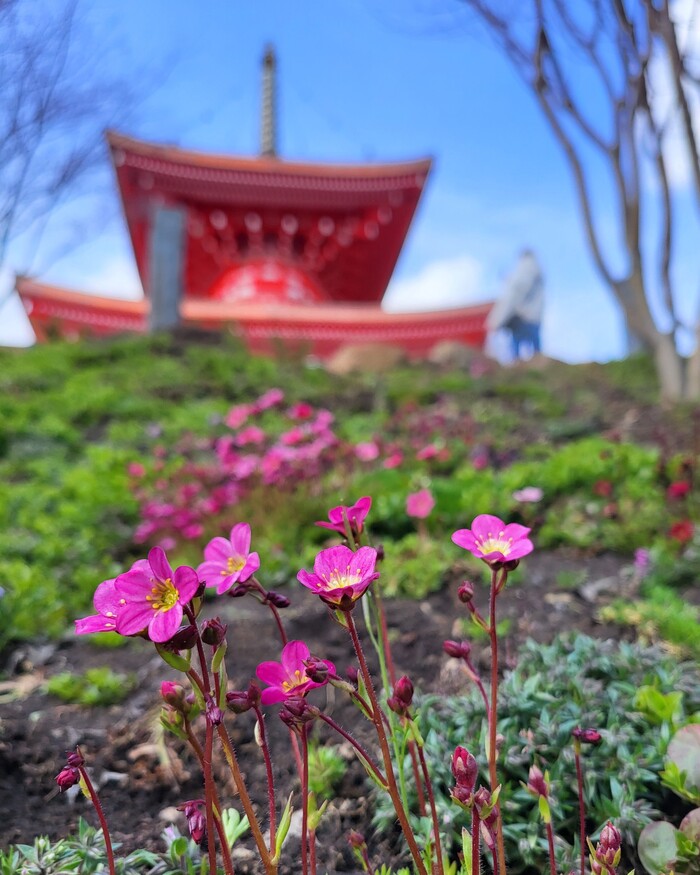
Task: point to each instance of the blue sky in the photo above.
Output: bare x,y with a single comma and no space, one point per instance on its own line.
358,81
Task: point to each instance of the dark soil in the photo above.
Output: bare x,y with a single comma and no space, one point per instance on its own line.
141,781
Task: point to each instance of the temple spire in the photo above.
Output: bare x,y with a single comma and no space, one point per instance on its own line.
268,139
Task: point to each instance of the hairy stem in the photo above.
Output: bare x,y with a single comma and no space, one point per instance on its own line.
95,799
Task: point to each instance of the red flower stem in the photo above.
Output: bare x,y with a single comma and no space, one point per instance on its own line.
200,649
386,753
384,632
304,801
230,754
312,850
417,778
581,804
476,843
497,583
275,613
550,842
297,752
433,809
474,676
209,796
225,850
97,805
358,747
270,779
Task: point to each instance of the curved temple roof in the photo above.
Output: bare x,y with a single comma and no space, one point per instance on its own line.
344,225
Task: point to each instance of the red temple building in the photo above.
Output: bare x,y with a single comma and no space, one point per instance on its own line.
276,251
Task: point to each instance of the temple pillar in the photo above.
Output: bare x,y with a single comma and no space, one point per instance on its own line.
166,264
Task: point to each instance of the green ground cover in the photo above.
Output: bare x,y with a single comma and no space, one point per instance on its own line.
76,418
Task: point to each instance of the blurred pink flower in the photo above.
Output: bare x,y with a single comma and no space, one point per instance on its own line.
136,469
420,504
154,596
492,540
268,399
250,435
356,515
229,561
428,452
288,678
340,577
528,494
238,415
393,460
367,451
301,410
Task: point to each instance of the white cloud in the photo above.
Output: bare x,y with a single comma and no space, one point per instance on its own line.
439,285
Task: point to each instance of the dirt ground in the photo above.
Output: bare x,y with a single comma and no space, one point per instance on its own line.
141,785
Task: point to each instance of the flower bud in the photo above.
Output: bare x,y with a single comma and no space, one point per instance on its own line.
74,758
173,694
240,589
536,782
356,839
240,701
297,712
465,768
214,714
465,593
316,670
201,589
400,700
380,552
196,822
351,673
457,649
183,639
588,736
277,599
213,632
67,777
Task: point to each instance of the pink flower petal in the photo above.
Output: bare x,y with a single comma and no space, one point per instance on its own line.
159,563
95,623
133,618
272,695
106,597
251,566
210,573
486,525
465,538
186,583
133,585
271,673
164,624
293,655
240,538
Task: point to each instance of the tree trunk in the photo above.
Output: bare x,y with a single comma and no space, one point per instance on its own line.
669,367
692,374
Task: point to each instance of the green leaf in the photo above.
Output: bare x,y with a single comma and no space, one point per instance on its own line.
175,661
657,847
283,828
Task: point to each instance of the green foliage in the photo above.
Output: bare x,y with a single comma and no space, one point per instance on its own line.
98,686
553,689
326,770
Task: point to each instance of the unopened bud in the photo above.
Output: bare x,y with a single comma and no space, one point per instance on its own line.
201,589
465,768
277,599
238,701
67,777
240,589
213,631
400,700
316,670
588,736
351,673
74,758
214,714
465,593
196,822
536,782
457,649
356,839
184,639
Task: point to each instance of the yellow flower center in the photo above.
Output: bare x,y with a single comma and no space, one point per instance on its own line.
496,544
337,579
233,564
296,680
163,595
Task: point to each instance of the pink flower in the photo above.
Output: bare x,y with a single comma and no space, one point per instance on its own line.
237,415
340,576
393,460
356,515
154,597
136,469
108,603
428,452
229,561
528,494
288,678
420,504
367,451
250,435
302,410
268,399
677,490
492,540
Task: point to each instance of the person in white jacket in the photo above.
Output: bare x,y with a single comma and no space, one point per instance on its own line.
519,309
